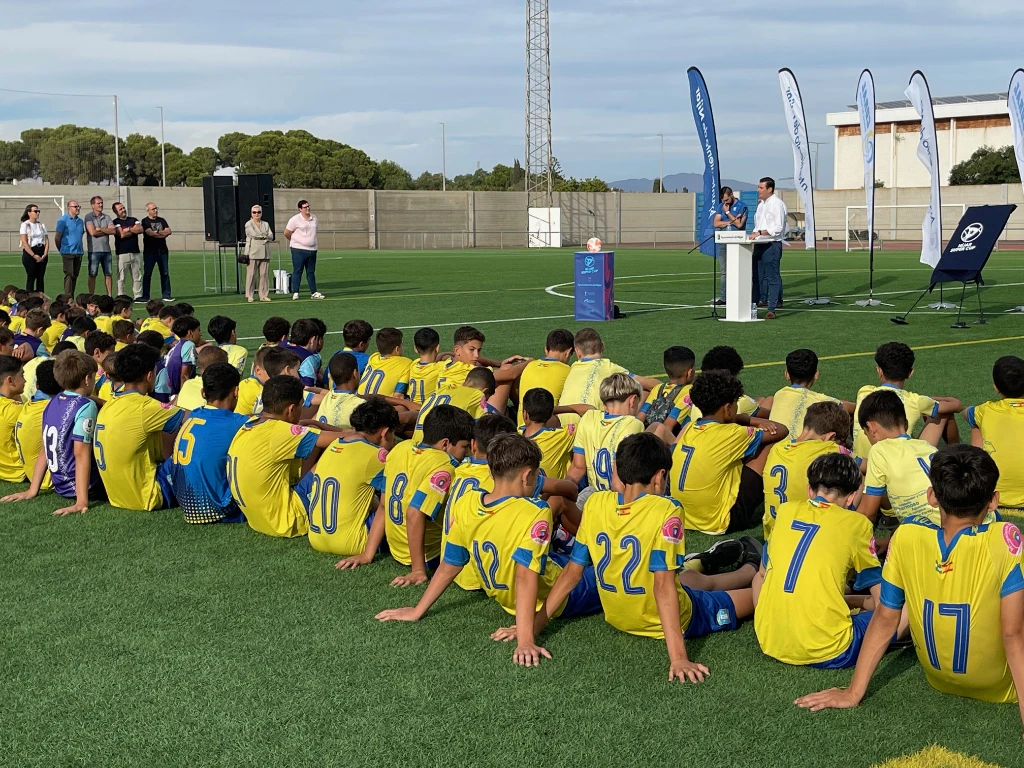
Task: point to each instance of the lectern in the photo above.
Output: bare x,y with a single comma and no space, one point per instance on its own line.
739,258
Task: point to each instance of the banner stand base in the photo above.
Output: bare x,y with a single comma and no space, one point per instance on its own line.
819,300
870,303
942,305
1017,309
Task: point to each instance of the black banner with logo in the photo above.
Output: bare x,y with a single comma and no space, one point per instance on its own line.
971,244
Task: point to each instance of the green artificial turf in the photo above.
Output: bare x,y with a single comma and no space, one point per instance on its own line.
131,638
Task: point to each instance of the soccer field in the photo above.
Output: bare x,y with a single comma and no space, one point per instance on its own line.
132,638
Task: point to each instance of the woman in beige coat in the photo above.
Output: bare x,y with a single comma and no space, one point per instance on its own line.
257,247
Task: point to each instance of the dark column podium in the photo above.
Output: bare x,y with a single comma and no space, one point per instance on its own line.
594,275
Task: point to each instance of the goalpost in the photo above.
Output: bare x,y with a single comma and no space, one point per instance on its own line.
857,222
12,207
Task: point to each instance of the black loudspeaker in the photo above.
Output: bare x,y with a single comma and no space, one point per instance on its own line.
210,184
256,189
228,232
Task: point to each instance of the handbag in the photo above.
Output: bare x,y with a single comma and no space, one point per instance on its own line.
243,257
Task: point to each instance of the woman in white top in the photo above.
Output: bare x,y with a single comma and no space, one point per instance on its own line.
301,236
35,248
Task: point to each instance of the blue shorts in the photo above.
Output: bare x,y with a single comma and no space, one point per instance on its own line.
584,598
302,488
712,611
165,479
98,259
848,658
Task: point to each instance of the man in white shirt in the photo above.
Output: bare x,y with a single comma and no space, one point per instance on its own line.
769,221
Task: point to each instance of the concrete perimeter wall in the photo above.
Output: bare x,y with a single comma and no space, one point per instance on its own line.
399,220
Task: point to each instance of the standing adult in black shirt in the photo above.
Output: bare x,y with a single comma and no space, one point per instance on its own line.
126,244
155,231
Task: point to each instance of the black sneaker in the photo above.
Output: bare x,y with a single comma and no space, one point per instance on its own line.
752,551
722,557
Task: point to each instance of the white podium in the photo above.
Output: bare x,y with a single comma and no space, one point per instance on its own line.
739,258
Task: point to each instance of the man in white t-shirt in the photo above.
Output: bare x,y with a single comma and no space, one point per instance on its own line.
769,221
301,236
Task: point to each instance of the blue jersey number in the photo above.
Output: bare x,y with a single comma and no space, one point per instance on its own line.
435,399
687,451
101,460
324,496
372,378
961,613
603,469
782,474
807,533
395,500
489,575
460,488
626,543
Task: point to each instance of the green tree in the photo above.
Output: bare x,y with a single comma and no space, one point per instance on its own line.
228,146
15,161
71,154
140,160
393,176
656,187
987,166
427,180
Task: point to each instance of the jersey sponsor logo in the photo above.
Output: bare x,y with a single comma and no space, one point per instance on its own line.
1011,535
441,481
571,429
872,548
672,530
89,425
943,568
382,455
540,533
722,617
298,429
751,431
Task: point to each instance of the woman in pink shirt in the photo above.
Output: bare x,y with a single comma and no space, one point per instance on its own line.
301,236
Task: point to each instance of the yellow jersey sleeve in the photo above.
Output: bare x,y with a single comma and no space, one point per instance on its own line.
669,546
12,468
423,380
430,494
533,548
250,391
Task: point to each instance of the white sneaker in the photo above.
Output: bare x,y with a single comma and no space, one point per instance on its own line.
316,295
295,296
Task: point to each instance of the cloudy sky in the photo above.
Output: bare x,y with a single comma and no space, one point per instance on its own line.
381,75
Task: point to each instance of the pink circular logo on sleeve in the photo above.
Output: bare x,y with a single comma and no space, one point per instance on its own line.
540,532
441,480
298,429
382,454
672,530
872,548
1011,535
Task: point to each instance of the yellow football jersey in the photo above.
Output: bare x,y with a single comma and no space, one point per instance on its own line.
264,462
250,397
471,476
706,465
802,616
12,468
555,449
28,434
78,341
17,324
952,592
416,476
499,536
469,399
898,468
790,406
582,384
546,373
52,335
128,446
154,324
745,405
597,438
28,394
453,374
237,355
105,390
337,406
681,405
103,323
191,395
915,405
423,380
345,480
385,375
629,543
1002,428
785,474
120,345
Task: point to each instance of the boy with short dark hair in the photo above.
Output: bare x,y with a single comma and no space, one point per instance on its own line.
550,371
305,341
276,330
223,331
12,384
790,404
191,395
123,332
718,460
185,309
346,509
669,403
337,406
387,371
894,362
30,336
826,430
801,613
356,335
199,469
129,444
269,362
467,343
153,307
105,312
69,421
424,372
998,427
181,360
265,461
122,309
80,327
58,324
726,358
555,443
418,476
960,583
507,537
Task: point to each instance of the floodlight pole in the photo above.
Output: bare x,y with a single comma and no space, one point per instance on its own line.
661,164
444,162
117,153
816,144
163,157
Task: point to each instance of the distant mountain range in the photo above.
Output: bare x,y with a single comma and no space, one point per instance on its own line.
694,182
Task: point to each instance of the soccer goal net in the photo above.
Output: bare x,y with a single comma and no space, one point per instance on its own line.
12,208
895,223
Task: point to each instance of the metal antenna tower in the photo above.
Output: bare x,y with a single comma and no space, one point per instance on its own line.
538,106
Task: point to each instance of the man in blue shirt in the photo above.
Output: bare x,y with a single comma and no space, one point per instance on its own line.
199,470
730,217
68,235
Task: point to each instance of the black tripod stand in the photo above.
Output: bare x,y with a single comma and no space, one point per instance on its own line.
714,283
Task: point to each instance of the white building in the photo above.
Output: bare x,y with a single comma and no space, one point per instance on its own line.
963,123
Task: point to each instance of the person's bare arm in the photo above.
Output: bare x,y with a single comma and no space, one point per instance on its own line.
83,468
287,234
578,408
1011,610
976,439
773,431
444,576
578,469
720,223
373,542
415,531
136,228
884,623
565,488
508,374
667,598
57,237
646,382
24,244
869,506
948,405
93,230
527,653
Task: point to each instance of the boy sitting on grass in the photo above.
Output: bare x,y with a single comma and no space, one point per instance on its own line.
28,433
507,536
640,579
726,358
123,332
961,585
801,614
550,372
479,394
12,384
338,405
998,427
191,395
669,403
387,371
269,362
223,331
583,382
357,334
425,371
790,404
555,443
